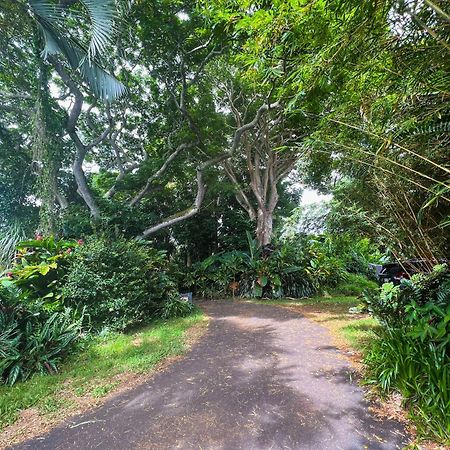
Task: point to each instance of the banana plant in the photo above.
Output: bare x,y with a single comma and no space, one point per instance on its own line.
52,21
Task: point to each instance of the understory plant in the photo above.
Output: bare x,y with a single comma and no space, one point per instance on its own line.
412,352
36,329
57,288
39,268
355,284
176,307
33,339
121,282
296,268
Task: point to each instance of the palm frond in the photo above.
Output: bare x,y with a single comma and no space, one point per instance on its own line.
50,20
48,10
102,14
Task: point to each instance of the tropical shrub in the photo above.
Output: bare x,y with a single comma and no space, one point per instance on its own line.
39,268
36,329
56,286
121,282
215,275
297,268
391,305
32,339
176,307
412,353
325,269
352,253
354,284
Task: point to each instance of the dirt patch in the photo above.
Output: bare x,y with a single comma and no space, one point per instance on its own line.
33,423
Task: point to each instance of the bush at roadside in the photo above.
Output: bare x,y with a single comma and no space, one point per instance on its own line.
299,267
120,282
353,284
176,307
412,354
55,287
32,339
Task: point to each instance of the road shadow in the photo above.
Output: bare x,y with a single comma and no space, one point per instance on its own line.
263,377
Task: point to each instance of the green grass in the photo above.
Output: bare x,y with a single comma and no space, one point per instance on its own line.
89,371
360,333
354,285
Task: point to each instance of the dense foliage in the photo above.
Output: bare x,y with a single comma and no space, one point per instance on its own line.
412,353
36,329
121,283
296,267
197,125
56,289
32,339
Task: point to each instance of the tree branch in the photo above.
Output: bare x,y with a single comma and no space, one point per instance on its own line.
146,189
81,148
194,209
201,187
122,169
240,195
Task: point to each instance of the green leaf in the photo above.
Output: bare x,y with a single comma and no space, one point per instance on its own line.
13,374
44,270
102,13
50,20
257,290
276,281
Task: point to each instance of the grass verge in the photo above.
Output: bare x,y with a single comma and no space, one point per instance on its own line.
106,364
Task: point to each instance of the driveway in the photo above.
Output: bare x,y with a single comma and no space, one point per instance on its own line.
263,377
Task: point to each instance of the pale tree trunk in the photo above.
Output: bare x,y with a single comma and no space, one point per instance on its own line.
266,166
81,148
201,186
264,227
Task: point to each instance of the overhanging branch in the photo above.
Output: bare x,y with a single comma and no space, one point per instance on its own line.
201,187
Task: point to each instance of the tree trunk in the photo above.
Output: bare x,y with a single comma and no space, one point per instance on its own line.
82,149
264,227
82,184
45,147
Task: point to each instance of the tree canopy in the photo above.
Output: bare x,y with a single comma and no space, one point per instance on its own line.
157,118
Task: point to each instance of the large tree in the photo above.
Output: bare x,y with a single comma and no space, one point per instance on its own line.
45,44
371,78
267,154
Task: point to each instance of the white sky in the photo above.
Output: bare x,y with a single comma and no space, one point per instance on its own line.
310,196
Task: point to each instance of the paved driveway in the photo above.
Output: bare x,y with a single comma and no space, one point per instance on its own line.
263,377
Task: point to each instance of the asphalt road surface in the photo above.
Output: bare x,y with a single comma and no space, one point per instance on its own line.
263,377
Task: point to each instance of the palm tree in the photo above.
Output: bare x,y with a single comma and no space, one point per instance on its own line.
52,18
62,41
